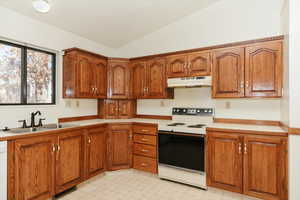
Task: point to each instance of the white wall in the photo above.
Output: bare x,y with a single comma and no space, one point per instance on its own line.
21,28
268,109
223,22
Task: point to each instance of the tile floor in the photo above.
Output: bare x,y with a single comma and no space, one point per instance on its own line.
136,185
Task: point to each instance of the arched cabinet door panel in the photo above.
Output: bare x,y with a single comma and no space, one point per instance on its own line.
199,64
177,66
156,78
263,70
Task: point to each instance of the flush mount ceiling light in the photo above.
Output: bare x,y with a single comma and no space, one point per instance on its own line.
42,6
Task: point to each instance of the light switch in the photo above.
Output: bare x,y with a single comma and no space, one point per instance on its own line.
77,104
227,105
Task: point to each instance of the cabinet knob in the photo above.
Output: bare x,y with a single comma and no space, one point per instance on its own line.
240,148
245,148
144,164
89,140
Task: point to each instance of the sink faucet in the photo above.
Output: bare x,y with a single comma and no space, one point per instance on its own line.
33,114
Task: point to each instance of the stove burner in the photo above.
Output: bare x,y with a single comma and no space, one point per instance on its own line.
176,124
196,126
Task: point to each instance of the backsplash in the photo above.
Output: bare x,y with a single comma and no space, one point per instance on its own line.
261,109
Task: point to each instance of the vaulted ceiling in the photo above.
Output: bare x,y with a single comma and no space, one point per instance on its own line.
110,22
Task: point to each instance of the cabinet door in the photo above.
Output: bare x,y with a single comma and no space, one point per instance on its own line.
69,76
120,147
35,165
228,73
199,64
111,109
139,79
96,151
156,75
225,161
264,70
100,78
69,160
264,167
177,66
85,77
126,109
119,83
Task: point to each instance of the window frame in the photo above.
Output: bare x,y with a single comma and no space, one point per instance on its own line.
23,99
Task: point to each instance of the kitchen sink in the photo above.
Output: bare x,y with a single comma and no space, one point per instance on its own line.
45,127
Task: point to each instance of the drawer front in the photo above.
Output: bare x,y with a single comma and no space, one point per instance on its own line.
145,139
145,164
148,130
144,150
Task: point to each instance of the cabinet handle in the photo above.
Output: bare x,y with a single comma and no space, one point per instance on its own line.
53,148
144,130
247,84
58,148
245,148
89,140
145,150
144,140
242,84
144,164
130,136
240,148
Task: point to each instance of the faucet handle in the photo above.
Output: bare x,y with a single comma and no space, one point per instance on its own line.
24,125
41,121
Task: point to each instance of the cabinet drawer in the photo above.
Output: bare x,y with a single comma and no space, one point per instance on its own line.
144,150
144,139
148,130
145,164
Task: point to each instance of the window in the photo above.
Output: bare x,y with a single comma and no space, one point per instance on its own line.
27,75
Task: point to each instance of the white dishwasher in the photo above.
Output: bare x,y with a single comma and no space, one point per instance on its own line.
3,170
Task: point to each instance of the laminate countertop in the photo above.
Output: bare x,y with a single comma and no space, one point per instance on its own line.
223,127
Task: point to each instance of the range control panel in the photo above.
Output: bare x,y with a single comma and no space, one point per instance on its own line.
193,111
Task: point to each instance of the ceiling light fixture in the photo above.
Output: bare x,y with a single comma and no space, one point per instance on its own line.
42,6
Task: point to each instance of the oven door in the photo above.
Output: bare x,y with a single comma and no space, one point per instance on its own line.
182,150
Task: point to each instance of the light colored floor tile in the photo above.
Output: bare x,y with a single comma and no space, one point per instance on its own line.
136,185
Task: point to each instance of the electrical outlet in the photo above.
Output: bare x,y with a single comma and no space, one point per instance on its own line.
77,104
227,105
68,104
162,103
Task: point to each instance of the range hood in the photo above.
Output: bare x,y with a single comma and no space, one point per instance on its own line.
199,81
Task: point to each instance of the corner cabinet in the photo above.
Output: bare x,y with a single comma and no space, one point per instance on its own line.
249,71
119,79
255,165
149,79
84,74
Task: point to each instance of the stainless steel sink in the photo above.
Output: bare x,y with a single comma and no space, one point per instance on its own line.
45,127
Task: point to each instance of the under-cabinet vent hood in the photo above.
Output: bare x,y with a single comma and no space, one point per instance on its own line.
199,81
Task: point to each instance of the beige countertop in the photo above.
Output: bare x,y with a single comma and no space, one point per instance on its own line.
243,128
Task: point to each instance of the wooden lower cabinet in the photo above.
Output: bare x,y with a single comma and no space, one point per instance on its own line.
119,147
35,168
96,151
69,160
249,164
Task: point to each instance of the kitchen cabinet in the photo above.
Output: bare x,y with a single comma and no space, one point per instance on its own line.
263,72
35,168
189,64
119,80
145,147
84,74
116,109
249,164
96,151
149,79
119,146
228,73
248,71
69,160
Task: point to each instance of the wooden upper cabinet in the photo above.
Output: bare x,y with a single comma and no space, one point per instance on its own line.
119,83
156,75
116,109
263,70
139,79
96,151
199,64
228,73
177,66
35,168
100,77
264,167
225,161
84,74
69,160
120,147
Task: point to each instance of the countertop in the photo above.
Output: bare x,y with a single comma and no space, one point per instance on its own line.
230,127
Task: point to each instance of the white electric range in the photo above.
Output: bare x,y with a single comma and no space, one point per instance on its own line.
181,146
